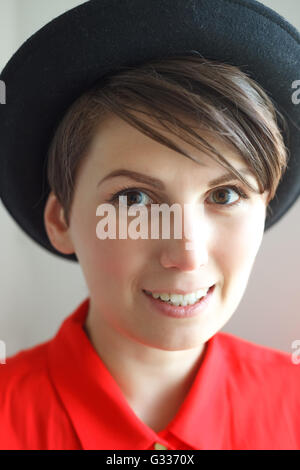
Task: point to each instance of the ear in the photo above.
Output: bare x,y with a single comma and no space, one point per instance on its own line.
56,226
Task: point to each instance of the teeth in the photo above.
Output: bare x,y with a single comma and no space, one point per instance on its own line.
183,300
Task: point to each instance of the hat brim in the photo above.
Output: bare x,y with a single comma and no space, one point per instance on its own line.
68,55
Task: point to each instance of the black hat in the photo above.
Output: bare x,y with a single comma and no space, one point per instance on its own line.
72,52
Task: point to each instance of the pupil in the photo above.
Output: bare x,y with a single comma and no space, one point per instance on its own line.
132,196
222,192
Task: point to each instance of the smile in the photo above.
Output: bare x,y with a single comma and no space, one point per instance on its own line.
180,311
178,299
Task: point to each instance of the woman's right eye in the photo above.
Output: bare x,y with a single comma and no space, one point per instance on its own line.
131,194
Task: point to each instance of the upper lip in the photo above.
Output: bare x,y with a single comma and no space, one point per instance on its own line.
175,290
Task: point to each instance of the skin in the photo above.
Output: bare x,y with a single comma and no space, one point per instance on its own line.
152,357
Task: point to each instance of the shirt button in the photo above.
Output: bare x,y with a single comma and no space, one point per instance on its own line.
158,446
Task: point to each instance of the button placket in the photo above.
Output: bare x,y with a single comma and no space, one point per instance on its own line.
158,446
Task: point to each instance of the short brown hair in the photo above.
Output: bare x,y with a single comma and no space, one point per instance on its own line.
218,97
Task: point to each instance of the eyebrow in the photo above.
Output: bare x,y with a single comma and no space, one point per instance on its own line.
158,184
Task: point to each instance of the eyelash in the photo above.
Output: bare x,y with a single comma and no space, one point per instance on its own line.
114,197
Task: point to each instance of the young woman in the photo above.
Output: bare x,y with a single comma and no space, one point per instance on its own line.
141,363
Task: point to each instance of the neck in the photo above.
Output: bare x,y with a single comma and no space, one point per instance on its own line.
147,376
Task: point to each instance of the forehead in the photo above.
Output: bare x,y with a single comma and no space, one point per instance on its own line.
118,142
118,145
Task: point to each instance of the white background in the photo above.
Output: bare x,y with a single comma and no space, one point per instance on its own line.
38,289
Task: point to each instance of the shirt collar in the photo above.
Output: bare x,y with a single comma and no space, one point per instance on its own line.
100,413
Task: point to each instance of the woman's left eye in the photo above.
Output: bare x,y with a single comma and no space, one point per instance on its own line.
223,192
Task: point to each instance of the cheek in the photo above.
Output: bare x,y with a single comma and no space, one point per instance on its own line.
121,259
239,242
114,263
235,255
105,262
118,259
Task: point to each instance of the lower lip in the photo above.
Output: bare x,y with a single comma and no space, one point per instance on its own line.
181,312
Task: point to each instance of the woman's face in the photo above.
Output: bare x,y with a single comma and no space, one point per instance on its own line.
226,241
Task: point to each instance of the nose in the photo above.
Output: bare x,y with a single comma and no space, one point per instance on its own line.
190,251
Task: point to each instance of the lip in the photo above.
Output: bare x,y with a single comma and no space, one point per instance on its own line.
181,312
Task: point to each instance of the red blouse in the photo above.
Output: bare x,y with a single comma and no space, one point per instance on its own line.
60,395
